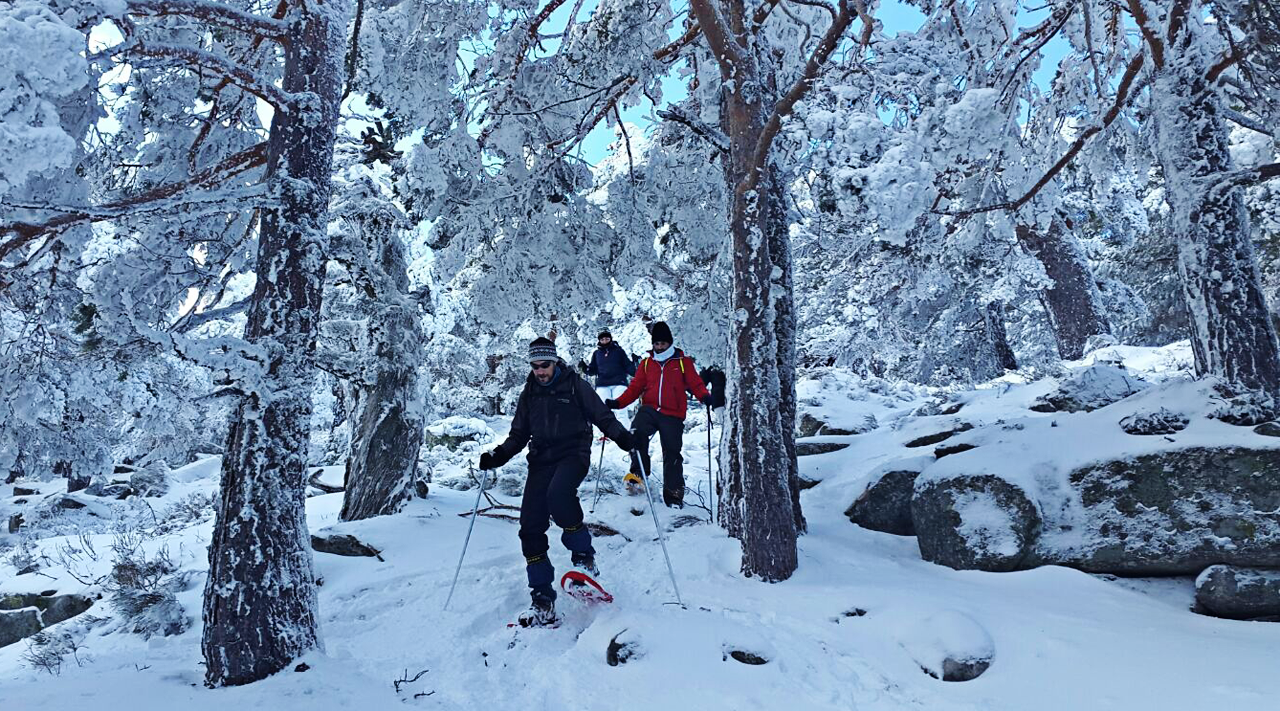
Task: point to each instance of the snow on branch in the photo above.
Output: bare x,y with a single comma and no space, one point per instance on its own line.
712,135
801,86
216,13
24,233
1123,94
245,79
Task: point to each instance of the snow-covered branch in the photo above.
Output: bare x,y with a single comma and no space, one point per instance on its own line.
1123,94
238,75
801,86
24,232
216,13
711,134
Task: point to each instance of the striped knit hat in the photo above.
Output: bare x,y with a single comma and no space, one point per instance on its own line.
542,349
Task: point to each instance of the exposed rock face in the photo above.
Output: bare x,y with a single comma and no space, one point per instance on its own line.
17,625
974,522
804,449
26,614
1171,513
937,437
1168,513
1239,593
342,544
886,504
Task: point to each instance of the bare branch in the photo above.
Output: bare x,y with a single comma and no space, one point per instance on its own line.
194,319
216,13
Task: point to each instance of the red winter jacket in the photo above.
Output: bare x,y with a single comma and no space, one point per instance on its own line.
662,385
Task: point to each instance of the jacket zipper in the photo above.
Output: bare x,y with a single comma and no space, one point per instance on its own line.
662,371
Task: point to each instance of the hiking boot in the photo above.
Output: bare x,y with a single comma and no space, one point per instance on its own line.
586,563
541,613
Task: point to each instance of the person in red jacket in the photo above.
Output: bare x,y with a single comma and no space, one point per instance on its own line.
660,382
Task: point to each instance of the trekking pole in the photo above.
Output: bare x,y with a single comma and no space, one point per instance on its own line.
662,540
711,491
475,513
599,473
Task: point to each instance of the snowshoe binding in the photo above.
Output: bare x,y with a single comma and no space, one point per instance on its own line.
580,583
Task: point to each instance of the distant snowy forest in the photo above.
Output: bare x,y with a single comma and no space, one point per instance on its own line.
306,234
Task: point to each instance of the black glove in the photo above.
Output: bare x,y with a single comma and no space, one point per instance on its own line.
582,365
707,400
625,441
611,404
488,461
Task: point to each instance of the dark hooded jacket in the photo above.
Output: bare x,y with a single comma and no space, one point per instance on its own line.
555,419
611,366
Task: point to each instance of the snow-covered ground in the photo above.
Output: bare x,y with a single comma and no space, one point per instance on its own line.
1062,639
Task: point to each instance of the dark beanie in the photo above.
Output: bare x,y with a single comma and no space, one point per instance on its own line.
542,349
661,332
603,334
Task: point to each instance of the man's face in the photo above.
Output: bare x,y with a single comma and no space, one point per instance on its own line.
543,369
604,341
660,346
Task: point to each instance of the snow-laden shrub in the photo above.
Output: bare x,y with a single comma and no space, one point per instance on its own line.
142,589
48,651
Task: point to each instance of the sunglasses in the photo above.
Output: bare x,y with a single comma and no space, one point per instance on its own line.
542,365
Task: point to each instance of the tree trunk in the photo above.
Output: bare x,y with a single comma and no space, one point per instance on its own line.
762,512
785,327
386,432
998,336
260,609
1231,334
1074,306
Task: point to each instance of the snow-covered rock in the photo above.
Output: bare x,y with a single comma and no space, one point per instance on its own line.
950,645
452,431
976,522
1239,593
885,505
1089,389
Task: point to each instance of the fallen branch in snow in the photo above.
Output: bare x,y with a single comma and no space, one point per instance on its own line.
406,680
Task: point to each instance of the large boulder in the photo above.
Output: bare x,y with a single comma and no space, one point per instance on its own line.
1239,593
26,614
885,505
1169,513
974,522
1172,512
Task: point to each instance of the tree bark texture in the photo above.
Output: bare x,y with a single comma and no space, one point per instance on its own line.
1231,334
1073,303
260,609
757,502
387,429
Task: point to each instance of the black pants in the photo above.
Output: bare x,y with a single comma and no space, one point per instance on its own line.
551,493
671,436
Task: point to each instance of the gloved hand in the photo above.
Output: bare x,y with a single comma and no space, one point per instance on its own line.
707,400
612,404
625,441
582,365
488,461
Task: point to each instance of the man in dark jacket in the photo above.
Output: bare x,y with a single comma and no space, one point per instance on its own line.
661,382
610,366
554,417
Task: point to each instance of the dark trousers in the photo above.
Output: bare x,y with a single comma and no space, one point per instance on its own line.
671,436
551,493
